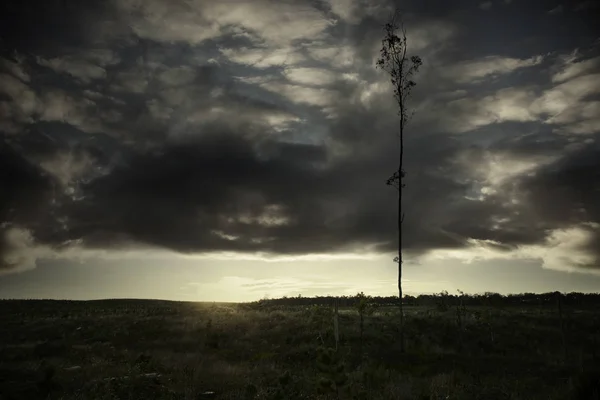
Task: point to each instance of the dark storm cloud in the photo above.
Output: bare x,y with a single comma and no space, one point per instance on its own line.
24,197
184,197
44,28
180,197
567,191
259,139
556,196
25,187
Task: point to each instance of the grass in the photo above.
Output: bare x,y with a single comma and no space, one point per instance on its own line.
133,349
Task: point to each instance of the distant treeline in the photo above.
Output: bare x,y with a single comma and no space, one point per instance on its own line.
486,299
443,298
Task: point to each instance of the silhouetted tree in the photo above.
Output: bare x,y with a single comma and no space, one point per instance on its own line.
400,67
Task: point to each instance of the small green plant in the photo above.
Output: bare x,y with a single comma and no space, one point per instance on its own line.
332,372
321,317
374,376
212,337
461,312
365,306
47,383
283,386
443,301
336,323
250,392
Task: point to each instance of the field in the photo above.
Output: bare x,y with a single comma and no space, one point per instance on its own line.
137,349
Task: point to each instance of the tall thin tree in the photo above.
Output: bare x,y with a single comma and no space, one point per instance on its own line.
394,60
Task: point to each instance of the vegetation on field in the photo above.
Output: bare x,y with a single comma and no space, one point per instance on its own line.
457,347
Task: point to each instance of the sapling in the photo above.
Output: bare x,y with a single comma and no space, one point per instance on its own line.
336,323
395,61
321,317
333,376
461,312
442,301
563,330
365,307
283,390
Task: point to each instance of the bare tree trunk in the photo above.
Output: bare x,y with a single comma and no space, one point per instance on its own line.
400,220
395,62
401,308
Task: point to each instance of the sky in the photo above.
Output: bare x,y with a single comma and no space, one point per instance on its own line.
237,150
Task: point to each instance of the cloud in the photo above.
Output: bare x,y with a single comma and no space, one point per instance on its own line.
586,5
310,76
563,250
354,11
346,9
565,102
579,119
556,10
264,21
68,167
568,249
25,196
263,57
86,67
262,131
335,56
566,105
233,211
573,68
430,34
497,169
133,80
17,248
16,68
465,114
302,94
486,5
473,71
548,212
23,102
27,106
